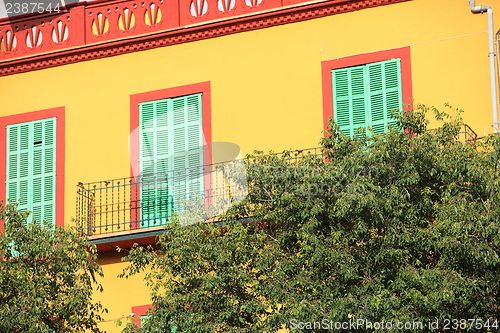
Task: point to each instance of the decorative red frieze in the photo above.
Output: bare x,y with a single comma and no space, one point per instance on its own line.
117,19
196,11
87,31
41,33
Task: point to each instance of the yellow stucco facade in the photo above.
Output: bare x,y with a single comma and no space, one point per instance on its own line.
265,89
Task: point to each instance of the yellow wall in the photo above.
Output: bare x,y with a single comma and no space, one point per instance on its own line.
265,88
119,294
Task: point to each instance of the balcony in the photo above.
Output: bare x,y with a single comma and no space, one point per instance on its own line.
129,208
149,201
134,207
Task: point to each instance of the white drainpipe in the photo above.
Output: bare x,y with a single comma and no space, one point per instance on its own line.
494,105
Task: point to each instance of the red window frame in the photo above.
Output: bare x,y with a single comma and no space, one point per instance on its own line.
58,113
139,311
361,59
203,88
195,88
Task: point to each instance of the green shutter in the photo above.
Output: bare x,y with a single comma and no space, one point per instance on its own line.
367,96
385,98
187,146
31,167
349,91
144,319
155,201
171,156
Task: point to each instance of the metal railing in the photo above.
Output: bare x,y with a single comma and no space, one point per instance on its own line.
468,135
150,200
135,204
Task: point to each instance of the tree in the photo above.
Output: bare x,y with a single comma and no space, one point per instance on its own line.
46,278
395,228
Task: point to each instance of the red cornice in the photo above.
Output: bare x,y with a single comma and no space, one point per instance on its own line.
189,34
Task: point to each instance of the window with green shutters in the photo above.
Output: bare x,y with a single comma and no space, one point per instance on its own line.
144,319
171,156
31,168
367,96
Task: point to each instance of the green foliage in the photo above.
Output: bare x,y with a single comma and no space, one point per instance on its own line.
46,278
400,227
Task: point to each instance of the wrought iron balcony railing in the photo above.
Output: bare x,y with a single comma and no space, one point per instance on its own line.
468,135
191,195
151,200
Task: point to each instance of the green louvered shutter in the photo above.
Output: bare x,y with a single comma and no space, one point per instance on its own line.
349,91
156,201
367,96
384,94
144,319
31,167
147,163
187,147
171,156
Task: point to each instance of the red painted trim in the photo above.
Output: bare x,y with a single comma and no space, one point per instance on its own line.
111,245
180,35
139,311
361,59
59,113
204,89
